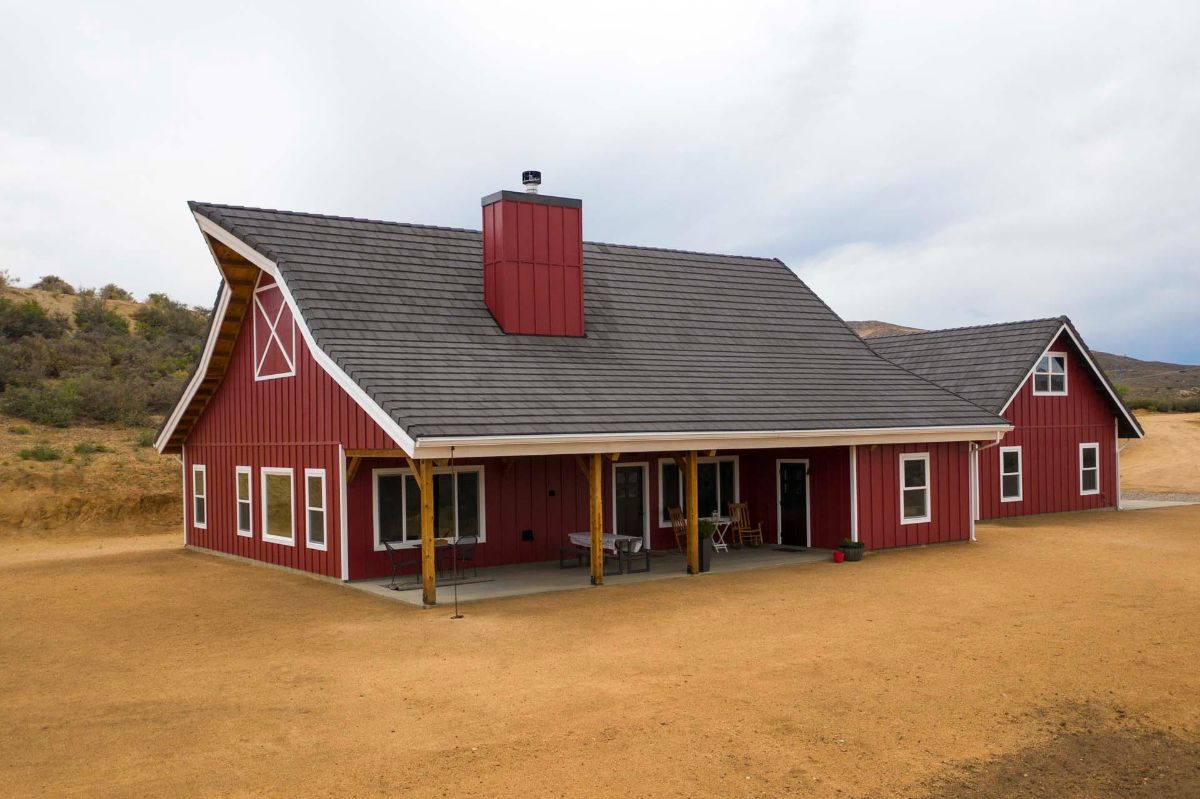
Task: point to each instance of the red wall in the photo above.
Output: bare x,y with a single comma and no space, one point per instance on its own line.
879,495
1049,430
292,422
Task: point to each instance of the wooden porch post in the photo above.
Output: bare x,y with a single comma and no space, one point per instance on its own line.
693,516
428,562
596,505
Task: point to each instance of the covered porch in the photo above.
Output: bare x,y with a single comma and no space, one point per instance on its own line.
526,579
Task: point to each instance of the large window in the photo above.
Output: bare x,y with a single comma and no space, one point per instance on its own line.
716,486
314,503
457,505
1050,374
1089,468
914,488
1010,474
243,485
199,495
278,506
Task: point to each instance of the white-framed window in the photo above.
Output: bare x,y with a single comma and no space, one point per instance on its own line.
458,505
914,488
243,479
1089,469
1050,374
1010,474
716,486
199,495
278,506
315,524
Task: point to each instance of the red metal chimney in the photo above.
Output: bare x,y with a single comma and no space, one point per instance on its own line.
533,261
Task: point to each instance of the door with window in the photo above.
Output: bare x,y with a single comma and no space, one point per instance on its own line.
629,486
793,503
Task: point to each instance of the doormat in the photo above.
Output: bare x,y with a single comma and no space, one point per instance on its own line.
789,548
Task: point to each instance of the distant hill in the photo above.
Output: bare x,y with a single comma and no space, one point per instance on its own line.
1146,384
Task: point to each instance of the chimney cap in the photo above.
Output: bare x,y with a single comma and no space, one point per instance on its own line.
531,178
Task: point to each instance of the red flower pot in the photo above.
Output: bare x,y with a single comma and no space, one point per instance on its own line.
838,556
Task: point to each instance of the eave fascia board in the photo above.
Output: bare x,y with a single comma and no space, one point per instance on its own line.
214,332
360,397
1099,374
515,446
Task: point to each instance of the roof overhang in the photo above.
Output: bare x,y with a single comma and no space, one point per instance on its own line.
1122,410
513,446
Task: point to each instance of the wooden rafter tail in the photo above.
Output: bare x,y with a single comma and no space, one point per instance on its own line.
584,466
352,469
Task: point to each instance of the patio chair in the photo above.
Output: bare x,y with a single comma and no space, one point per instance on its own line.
679,523
743,532
462,552
399,562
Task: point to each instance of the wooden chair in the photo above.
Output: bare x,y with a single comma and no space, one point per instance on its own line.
743,533
679,523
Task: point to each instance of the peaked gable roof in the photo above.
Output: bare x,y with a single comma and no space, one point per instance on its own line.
675,341
988,364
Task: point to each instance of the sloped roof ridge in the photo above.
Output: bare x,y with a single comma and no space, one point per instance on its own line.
1062,319
194,204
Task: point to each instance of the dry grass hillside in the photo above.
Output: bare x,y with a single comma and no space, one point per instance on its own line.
56,303
1167,460
95,480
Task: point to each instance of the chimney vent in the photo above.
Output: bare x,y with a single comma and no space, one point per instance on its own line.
532,179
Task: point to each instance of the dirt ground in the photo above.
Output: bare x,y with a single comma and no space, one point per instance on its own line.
1056,657
1167,460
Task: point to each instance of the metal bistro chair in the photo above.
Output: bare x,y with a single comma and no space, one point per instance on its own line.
399,562
462,552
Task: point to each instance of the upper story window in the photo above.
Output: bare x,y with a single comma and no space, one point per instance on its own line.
1050,374
274,334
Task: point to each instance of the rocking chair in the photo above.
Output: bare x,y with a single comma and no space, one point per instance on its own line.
743,533
680,524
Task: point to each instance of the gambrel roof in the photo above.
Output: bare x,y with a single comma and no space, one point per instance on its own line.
675,341
988,364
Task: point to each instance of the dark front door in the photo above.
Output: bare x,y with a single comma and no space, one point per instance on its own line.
631,501
793,504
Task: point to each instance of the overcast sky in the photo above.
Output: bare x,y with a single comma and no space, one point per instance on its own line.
931,164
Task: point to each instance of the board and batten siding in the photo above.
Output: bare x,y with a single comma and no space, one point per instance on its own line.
295,422
879,525
1049,430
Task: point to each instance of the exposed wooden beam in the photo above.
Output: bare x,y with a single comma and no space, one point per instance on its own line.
375,453
584,466
352,469
412,465
596,502
693,517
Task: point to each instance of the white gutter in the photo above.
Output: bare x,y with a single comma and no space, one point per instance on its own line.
854,492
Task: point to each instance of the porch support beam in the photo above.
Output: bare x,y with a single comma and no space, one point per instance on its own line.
428,568
595,473
693,517
353,469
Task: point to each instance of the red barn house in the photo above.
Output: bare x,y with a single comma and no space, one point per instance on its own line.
1063,453
368,385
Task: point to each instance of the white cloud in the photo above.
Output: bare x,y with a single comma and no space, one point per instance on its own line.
933,164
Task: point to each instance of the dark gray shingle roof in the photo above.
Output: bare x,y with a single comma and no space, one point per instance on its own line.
985,364
676,341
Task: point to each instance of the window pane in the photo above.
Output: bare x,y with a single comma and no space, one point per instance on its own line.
1089,458
243,485
670,490
727,492
468,503
1058,383
1011,485
198,482
1058,365
316,491
443,506
412,514
200,513
1089,480
316,526
706,486
243,510
1043,365
279,506
1012,461
1041,382
914,502
391,509
914,473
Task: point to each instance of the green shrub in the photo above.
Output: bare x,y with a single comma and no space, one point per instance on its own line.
848,544
46,404
21,319
41,452
6,279
55,284
92,315
90,448
146,438
112,291
19,430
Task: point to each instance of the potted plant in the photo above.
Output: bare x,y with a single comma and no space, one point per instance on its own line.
853,550
706,544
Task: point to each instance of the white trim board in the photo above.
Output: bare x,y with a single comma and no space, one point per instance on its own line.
214,332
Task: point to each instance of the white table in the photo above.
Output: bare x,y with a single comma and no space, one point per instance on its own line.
721,525
607,541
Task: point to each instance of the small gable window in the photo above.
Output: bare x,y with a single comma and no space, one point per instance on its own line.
274,333
1050,374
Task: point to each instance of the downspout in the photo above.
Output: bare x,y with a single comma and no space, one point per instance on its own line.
975,450
343,515
854,492
184,480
